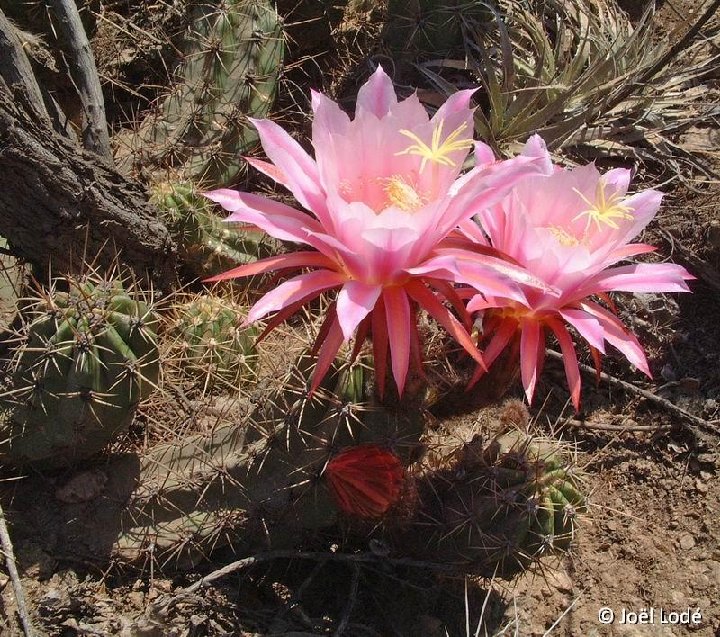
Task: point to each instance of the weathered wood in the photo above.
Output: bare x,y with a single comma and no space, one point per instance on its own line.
60,205
15,68
81,64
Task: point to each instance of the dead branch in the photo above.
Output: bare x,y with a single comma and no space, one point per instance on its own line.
16,70
81,64
696,425
9,553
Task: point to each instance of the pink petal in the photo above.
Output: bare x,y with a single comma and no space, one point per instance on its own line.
271,170
328,118
569,356
499,341
532,353
293,290
330,346
380,344
645,205
627,251
472,230
300,170
427,300
457,104
619,336
397,314
275,218
484,155
486,188
355,301
535,147
301,259
587,326
641,277
377,95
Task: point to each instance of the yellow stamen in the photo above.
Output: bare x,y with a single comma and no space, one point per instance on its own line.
401,194
604,209
437,152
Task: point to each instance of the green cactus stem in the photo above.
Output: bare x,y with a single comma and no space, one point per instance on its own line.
207,343
207,244
501,506
232,55
85,356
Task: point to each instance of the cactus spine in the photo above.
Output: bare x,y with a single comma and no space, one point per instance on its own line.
232,56
206,243
430,27
500,507
86,356
209,344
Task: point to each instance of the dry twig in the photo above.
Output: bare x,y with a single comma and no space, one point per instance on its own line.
696,425
7,549
84,74
350,558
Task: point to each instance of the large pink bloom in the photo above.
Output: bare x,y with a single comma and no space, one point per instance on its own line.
383,191
568,227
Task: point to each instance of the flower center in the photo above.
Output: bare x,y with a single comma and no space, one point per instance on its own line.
604,209
401,194
564,238
437,152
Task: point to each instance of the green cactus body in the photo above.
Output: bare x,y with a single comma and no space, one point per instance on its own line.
207,244
208,342
253,484
498,511
232,57
88,356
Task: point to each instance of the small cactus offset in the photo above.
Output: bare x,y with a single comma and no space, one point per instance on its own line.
207,244
500,506
232,55
85,356
207,343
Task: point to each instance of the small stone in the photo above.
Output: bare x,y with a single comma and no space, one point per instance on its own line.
560,581
701,581
197,620
713,571
687,542
136,598
713,233
668,373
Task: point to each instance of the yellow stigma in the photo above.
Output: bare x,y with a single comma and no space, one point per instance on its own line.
604,209
401,194
437,152
564,238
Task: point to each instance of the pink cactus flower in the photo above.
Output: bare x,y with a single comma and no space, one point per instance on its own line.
568,227
382,193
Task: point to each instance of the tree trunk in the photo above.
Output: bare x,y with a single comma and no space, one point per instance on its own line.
61,205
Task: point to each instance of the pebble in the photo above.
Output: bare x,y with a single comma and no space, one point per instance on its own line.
136,598
713,571
678,597
559,580
687,542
